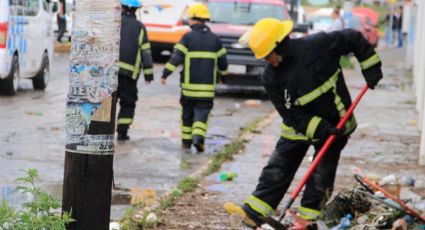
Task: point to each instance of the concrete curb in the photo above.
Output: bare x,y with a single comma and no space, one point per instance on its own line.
245,136
199,173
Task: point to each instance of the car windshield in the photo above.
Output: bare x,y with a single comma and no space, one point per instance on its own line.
357,22
2,9
243,13
321,19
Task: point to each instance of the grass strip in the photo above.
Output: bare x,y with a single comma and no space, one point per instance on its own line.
137,217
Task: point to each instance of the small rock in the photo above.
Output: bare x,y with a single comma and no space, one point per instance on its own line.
114,226
420,183
405,194
390,179
362,219
9,153
151,218
266,227
420,206
407,181
54,128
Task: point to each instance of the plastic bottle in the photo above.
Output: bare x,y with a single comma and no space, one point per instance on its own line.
227,176
345,223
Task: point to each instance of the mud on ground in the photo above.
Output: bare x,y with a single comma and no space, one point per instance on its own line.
198,209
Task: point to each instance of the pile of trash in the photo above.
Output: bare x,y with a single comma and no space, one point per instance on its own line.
373,203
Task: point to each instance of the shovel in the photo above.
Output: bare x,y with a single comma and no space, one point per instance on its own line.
276,224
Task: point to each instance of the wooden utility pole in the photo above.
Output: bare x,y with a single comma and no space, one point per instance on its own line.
90,113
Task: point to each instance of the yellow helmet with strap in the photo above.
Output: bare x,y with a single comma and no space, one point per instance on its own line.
198,10
266,34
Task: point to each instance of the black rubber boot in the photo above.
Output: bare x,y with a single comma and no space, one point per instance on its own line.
122,136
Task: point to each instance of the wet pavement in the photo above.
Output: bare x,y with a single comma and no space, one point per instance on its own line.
386,141
33,135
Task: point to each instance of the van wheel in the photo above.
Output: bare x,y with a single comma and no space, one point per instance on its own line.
9,85
40,80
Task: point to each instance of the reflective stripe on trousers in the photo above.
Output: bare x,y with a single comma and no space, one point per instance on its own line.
308,213
259,206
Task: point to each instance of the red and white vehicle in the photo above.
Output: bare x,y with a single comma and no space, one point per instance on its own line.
230,19
26,43
368,25
164,21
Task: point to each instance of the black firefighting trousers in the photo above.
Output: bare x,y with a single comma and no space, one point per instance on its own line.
127,96
278,174
194,116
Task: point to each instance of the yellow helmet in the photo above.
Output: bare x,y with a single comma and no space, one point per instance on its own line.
266,35
198,10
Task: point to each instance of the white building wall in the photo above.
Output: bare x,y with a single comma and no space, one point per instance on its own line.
419,73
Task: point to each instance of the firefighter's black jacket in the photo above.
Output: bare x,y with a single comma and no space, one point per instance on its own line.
135,49
308,88
204,59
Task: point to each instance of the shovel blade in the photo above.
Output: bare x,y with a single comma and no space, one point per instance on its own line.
274,223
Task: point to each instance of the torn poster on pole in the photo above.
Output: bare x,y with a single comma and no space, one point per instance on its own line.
93,76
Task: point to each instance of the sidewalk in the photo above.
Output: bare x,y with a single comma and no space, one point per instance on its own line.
386,142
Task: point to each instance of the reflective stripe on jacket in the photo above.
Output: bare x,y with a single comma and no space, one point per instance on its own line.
135,49
308,88
203,57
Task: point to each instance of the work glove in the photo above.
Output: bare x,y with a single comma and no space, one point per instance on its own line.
148,78
372,76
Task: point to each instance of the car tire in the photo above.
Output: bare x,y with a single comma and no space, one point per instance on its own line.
9,85
39,82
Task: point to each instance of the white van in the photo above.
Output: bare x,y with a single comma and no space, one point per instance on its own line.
26,43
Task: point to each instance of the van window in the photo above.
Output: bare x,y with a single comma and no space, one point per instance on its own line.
45,5
32,7
2,7
24,7
243,12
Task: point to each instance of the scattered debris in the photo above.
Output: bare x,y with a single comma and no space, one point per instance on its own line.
253,103
114,226
369,205
345,223
407,181
151,218
294,222
34,113
54,128
228,176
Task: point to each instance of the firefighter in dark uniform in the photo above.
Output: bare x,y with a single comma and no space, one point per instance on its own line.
135,56
305,83
204,60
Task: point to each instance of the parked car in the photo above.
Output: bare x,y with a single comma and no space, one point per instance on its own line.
363,19
165,22
369,24
230,19
26,43
321,20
